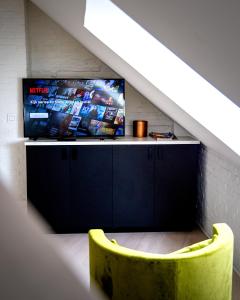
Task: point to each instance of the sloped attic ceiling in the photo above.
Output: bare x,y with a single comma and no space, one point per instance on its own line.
70,15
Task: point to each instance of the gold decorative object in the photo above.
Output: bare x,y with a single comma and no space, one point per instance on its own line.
140,128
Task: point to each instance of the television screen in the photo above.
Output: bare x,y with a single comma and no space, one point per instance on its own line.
61,108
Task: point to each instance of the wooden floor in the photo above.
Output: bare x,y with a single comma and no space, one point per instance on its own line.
75,248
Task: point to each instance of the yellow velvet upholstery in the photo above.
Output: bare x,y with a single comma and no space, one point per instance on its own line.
202,271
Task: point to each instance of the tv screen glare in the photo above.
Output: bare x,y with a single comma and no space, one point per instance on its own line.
73,108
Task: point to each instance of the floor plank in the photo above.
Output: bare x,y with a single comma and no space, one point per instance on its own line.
75,248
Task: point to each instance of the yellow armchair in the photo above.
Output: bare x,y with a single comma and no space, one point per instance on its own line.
202,271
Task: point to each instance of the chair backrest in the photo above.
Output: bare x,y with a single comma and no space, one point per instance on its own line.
202,271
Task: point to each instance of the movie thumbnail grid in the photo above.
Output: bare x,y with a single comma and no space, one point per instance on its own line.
75,107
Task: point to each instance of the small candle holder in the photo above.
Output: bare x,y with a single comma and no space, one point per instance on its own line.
140,128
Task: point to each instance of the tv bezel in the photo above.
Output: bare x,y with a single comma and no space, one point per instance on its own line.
59,137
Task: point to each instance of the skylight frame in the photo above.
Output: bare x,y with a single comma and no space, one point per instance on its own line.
168,73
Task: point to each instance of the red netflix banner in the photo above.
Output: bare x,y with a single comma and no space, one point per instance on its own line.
38,90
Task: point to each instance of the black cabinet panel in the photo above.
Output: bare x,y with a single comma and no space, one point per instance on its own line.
91,187
176,168
48,184
133,186
145,187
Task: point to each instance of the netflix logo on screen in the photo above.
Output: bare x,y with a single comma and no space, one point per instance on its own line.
38,90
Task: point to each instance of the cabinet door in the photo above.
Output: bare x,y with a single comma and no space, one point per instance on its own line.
133,186
175,186
91,187
48,184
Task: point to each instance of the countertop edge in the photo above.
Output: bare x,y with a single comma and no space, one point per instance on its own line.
128,140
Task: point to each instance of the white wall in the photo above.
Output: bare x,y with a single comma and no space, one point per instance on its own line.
55,53
13,68
220,195
203,33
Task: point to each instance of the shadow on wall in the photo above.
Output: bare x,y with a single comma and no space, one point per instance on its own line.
13,168
31,265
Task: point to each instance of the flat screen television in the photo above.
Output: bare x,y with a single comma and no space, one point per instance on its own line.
73,108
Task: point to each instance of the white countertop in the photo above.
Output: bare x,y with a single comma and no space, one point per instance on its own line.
127,140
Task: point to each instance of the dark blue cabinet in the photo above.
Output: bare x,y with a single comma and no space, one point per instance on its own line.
48,184
155,186
71,186
91,187
133,187
114,187
176,176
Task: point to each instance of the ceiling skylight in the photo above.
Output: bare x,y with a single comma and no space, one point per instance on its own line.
164,70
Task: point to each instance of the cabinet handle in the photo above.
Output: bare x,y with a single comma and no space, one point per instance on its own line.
74,153
160,153
150,153
64,154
